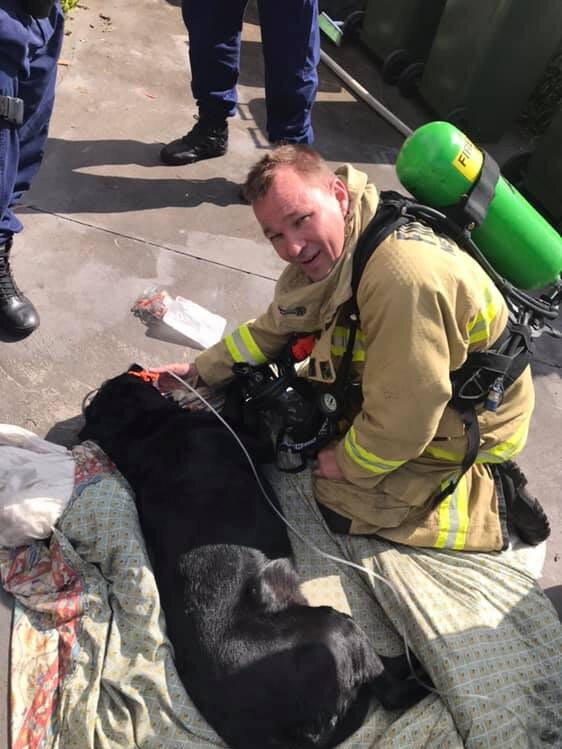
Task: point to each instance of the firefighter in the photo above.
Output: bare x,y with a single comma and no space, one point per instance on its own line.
424,306
31,33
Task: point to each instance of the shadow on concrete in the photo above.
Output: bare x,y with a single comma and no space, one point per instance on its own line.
67,189
554,594
8,338
66,432
361,142
77,154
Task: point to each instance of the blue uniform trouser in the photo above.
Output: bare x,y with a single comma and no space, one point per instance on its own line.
291,51
29,49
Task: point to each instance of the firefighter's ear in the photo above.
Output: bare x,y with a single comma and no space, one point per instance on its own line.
339,190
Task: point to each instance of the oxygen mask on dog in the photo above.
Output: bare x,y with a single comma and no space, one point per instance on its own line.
286,407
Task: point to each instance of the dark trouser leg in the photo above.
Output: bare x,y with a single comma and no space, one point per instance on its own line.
38,93
29,50
291,49
214,52
214,28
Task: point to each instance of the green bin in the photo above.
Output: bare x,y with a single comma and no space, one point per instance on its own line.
486,58
543,176
400,32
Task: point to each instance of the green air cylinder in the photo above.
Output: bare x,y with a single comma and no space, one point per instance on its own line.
438,165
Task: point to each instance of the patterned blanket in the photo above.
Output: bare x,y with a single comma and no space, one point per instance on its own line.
92,668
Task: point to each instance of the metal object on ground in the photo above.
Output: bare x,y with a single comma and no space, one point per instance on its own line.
362,92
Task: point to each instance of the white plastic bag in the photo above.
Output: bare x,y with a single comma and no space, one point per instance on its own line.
194,321
186,317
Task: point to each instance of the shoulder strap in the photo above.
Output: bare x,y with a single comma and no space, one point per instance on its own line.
390,214
388,217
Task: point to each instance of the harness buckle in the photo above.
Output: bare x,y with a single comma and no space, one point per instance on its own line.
11,110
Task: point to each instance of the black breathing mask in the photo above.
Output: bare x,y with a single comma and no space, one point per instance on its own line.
299,419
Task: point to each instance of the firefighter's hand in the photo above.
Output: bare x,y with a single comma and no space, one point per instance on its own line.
185,370
326,466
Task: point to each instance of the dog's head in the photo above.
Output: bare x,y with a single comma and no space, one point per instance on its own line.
128,407
313,685
306,672
123,406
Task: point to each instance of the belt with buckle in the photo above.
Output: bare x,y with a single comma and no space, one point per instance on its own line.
11,110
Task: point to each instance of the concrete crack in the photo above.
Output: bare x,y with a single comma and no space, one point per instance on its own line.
149,243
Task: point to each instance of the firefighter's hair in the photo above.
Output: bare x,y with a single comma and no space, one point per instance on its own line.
303,159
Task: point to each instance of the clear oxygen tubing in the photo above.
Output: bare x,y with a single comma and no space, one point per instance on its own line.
354,565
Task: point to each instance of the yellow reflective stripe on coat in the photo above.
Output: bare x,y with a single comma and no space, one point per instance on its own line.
365,459
478,328
340,337
452,516
242,347
508,448
440,454
498,454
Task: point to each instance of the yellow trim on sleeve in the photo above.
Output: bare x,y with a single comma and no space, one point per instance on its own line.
479,327
257,354
242,347
367,460
232,350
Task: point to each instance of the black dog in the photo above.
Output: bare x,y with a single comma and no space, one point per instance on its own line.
264,668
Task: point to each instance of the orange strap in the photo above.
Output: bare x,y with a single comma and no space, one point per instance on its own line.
145,375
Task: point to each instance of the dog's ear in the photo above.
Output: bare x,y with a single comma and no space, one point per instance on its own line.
277,586
106,413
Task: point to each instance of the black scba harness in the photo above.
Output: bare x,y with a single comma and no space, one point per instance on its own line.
484,376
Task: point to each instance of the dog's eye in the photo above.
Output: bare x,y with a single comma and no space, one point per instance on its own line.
252,593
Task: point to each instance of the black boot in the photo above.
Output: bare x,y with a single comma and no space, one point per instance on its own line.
525,514
18,317
206,140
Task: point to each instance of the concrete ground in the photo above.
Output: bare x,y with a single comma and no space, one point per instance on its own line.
105,219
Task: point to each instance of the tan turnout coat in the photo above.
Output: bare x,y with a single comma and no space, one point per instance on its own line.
424,305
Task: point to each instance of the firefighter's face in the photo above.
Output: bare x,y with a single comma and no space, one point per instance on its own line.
304,219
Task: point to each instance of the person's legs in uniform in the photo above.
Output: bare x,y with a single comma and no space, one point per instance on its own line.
291,50
214,28
29,49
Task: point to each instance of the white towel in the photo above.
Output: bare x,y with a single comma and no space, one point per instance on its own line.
36,483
